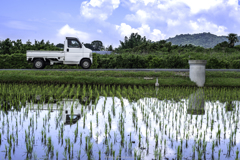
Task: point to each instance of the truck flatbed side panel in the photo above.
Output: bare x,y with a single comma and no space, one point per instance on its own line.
45,53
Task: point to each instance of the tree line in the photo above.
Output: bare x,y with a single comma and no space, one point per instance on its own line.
134,44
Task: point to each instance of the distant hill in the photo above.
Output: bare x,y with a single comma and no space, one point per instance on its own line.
206,40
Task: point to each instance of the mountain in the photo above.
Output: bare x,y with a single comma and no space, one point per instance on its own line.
206,40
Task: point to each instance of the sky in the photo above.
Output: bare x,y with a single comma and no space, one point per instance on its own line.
111,20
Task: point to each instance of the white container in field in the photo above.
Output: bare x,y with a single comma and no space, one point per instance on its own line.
197,71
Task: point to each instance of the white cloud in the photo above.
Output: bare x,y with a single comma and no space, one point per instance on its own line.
98,9
96,3
202,25
148,1
171,22
67,31
232,2
133,1
19,25
197,6
144,30
99,31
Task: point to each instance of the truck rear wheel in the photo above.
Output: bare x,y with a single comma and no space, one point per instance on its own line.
39,64
85,64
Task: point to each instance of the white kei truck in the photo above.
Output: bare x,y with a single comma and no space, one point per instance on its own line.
74,53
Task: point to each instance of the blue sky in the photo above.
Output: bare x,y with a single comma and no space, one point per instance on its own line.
111,20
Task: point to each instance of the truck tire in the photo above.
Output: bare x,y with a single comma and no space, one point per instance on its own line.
85,64
39,64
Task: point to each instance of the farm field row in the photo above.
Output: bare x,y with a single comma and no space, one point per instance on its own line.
165,78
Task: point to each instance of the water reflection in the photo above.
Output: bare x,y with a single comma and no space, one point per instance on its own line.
154,124
196,103
66,109
230,106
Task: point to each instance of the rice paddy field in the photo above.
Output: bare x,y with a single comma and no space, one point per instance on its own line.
118,122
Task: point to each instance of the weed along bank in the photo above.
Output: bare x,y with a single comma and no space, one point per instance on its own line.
63,121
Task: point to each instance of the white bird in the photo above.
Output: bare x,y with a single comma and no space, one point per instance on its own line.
157,84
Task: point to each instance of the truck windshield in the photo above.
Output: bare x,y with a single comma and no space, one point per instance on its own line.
73,44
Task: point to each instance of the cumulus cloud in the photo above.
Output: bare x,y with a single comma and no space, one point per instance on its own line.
67,31
144,30
173,17
159,20
195,6
202,25
98,9
19,25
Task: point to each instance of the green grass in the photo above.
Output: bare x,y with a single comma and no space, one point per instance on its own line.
165,78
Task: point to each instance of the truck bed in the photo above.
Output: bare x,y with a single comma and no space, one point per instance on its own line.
49,54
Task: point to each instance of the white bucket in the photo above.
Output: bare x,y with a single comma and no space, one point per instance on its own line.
197,71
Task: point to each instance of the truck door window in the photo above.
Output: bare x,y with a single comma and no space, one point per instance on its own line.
73,44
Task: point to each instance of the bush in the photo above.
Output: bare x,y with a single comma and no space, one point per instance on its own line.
229,50
174,61
157,63
213,63
236,64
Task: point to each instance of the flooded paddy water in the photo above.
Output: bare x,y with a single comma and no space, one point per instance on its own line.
114,122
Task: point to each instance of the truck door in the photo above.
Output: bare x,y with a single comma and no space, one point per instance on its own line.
74,52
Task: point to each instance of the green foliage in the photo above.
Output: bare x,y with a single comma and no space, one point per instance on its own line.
135,52
133,41
206,40
157,63
230,50
237,47
174,61
232,38
97,45
8,47
199,49
60,45
110,48
217,63
236,64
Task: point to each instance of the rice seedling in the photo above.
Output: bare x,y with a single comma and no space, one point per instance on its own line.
237,152
106,129
79,153
179,154
76,133
84,119
99,155
219,152
97,118
80,138
107,150
160,114
90,128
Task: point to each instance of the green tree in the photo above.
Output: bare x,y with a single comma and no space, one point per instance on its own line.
60,45
110,48
97,45
133,41
6,46
232,38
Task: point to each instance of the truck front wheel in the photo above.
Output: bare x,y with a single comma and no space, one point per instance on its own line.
39,64
85,64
